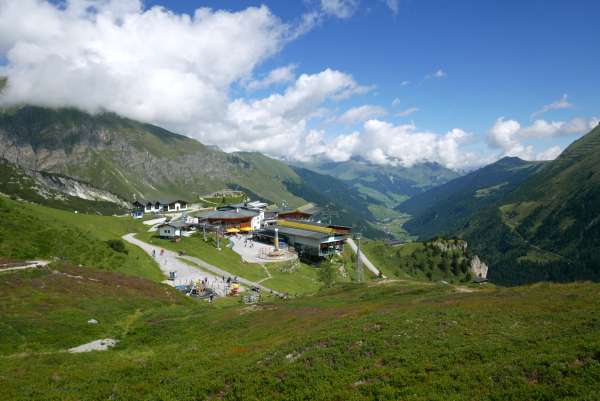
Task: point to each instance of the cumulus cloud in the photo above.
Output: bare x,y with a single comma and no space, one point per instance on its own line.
508,135
339,8
152,65
276,76
381,142
407,112
361,113
504,135
563,103
277,124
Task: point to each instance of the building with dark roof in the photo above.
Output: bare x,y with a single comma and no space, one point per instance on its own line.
308,239
234,219
294,214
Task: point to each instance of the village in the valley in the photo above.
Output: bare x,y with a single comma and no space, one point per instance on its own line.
256,231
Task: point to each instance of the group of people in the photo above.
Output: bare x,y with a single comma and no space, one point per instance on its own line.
227,283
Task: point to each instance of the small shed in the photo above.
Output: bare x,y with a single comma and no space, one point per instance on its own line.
169,230
137,213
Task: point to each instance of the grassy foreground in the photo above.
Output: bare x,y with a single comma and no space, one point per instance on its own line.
389,341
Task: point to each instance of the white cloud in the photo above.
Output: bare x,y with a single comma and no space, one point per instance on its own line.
342,147
508,135
437,75
551,129
393,5
152,65
550,153
383,143
404,83
277,124
563,103
503,135
396,102
361,113
339,8
276,76
407,112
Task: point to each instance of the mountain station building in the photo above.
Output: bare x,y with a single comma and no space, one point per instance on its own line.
310,240
234,218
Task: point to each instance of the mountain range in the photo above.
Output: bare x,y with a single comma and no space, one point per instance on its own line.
390,184
529,220
444,209
136,160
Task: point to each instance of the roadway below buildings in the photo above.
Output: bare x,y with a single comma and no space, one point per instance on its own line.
363,258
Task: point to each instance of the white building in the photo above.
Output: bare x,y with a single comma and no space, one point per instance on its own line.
169,230
161,206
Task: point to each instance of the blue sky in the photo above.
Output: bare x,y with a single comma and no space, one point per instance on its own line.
463,64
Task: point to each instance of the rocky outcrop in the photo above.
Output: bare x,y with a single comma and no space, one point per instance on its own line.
478,267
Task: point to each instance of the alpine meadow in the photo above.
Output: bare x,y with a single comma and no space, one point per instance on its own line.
302,200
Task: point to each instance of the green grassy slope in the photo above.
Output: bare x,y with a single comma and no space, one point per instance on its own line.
549,227
354,342
421,260
31,231
444,209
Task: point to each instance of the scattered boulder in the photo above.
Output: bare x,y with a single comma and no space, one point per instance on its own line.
98,345
92,321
